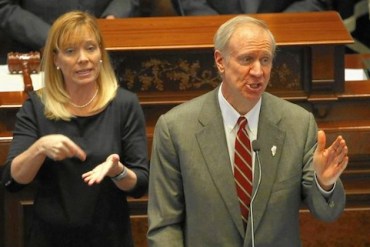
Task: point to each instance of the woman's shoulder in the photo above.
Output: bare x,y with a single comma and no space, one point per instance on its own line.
125,96
33,101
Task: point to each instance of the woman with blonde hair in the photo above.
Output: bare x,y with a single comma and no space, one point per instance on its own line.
82,138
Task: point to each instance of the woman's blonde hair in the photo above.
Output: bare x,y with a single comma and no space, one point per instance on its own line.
67,29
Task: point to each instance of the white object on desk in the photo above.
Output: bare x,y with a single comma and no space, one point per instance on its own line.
14,82
355,75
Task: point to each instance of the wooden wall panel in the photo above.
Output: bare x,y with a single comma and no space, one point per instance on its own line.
350,230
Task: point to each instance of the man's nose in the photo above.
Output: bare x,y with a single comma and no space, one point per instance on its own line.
256,69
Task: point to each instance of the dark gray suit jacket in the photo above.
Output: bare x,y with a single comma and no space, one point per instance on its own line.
192,196
26,23
213,7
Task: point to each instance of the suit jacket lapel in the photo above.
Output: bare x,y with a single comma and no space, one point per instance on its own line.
269,135
212,142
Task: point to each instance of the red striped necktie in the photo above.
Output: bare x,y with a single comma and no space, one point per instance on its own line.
243,168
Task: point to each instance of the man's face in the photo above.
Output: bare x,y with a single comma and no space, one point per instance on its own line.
246,68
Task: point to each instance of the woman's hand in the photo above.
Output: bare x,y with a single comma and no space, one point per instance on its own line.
111,167
59,147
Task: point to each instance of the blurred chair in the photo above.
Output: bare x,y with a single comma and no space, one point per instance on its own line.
4,44
161,8
360,9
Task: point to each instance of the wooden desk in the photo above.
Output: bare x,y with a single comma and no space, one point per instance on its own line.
162,55
356,61
183,32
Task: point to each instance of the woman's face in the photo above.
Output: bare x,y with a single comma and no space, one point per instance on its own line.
79,61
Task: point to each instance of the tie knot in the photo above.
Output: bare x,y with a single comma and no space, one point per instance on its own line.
242,122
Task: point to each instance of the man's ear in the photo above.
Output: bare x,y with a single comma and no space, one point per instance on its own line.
219,60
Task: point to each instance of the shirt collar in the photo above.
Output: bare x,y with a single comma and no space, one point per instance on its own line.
230,115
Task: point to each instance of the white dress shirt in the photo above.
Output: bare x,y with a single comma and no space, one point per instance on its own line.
230,117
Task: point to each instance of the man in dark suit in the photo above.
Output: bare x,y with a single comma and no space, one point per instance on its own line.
192,192
25,24
214,7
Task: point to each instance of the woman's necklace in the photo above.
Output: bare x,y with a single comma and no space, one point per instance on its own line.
88,103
